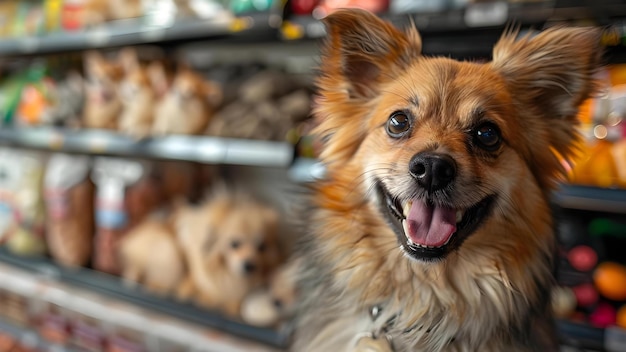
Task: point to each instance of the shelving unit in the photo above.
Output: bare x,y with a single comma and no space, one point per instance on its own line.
461,32
203,149
113,287
135,32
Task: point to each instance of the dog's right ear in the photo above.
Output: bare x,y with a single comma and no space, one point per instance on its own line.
360,53
364,50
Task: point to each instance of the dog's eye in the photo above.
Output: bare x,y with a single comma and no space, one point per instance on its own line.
398,124
487,136
262,246
235,244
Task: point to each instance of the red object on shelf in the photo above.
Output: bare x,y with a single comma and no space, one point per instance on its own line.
586,295
303,7
582,258
72,14
603,316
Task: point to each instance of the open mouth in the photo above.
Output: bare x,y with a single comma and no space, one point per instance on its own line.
427,231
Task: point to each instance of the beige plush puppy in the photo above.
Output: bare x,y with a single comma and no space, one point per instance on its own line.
150,256
231,247
188,106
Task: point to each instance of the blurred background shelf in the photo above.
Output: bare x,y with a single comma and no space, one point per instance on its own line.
226,27
29,338
609,200
114,287
211,150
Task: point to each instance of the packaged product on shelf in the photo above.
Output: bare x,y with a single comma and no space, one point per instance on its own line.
26,233
7,15
69,196
65,101
54,324
326,7
10,92
251,6
30,19
35,96
92,13
602,159
53,10
9,179
128,332
126,193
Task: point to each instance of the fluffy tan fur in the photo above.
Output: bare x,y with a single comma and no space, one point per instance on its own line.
138,96
188,106
231,247
102,101
491,294
151,256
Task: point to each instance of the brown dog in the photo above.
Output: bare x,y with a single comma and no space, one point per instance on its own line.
432,229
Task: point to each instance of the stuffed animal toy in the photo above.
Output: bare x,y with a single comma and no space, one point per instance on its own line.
103,104
188,106
67,102
150,256
268,105
231,246
273,305
138,96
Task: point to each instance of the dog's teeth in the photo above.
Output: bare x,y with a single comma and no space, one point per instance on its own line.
405,226
406,208
459,216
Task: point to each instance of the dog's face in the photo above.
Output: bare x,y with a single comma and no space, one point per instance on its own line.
446,152
246,239
233,233
103,76
190,87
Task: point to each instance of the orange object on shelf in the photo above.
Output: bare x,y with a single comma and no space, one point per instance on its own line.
610,280
595,166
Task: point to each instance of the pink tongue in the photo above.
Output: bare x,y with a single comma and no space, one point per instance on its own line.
430,225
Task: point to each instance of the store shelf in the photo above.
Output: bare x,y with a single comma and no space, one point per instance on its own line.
30,338
133,32
204,149
472,30
113,287
608,200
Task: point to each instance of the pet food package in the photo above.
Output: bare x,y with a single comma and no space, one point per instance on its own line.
69,196
126,193
9,178
25,235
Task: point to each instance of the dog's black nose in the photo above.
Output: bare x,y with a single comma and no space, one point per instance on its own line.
249,267
432,171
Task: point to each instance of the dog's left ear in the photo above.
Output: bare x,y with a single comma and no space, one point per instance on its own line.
363,49
552,70
549,76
